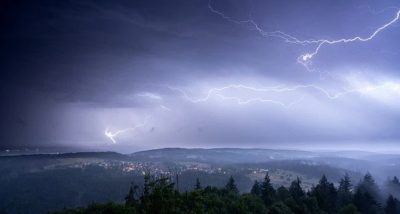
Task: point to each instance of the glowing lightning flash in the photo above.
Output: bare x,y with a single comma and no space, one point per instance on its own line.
305,59
112,135
217,92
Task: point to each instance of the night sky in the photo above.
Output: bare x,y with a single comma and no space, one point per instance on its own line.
127,75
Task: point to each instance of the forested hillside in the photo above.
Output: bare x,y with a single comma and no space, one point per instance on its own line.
159,195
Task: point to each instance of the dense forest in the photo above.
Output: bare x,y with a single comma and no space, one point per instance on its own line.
160,195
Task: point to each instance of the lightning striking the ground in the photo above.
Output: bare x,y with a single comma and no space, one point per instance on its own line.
306,58
113,134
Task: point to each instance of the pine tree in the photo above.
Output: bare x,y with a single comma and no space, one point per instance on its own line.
147,184
368,185
267,191
326,195
393,187
130,199
391,205
198,185
256,189
395,180
163,197
231,186
344,191
365,202
295,189
282,193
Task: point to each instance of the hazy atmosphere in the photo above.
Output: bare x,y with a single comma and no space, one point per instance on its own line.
134,75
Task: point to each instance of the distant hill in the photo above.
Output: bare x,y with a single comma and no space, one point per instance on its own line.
221,155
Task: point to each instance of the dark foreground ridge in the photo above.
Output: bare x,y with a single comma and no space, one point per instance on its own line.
159,195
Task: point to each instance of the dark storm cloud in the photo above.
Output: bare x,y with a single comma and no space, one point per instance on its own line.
72,68
76,47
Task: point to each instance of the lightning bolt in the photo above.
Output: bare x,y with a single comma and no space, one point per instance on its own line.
112,135
213,91
217,92
279,34
242,101
305,59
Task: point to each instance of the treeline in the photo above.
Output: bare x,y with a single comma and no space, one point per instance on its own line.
159,196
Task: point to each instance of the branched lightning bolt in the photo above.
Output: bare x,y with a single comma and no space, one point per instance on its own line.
241,101
279,34
214,91
112,135
217,92
305,59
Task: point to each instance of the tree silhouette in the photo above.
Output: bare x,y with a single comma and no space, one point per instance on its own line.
326,195
131,198
267,191
344,191
256,189
198,185
231,186
295,189
391,205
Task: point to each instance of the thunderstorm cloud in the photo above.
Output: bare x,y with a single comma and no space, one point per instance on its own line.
147,74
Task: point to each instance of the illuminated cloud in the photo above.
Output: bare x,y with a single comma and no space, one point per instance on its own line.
204,72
